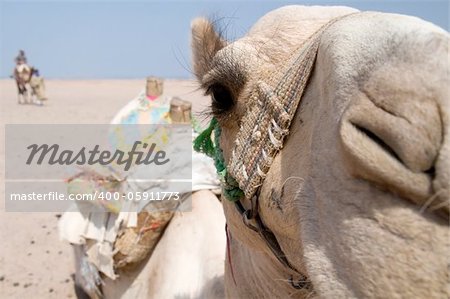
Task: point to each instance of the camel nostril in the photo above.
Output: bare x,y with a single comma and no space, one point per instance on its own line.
372,159
412,138
383,145
395,153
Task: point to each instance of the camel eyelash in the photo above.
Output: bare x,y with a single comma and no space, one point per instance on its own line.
221,98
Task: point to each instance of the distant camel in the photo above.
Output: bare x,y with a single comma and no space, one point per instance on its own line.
26,75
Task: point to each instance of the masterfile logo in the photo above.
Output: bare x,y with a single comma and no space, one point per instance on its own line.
49,166
53,155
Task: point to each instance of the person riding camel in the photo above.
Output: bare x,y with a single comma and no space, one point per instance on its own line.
25,74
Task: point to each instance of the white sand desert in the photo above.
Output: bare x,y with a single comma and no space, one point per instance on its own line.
34,263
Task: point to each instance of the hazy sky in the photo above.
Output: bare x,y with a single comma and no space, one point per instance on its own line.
134,39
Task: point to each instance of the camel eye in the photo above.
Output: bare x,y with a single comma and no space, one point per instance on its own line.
222,99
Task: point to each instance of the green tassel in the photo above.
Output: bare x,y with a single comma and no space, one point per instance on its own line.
204,144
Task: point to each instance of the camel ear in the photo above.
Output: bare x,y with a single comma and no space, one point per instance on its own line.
205,43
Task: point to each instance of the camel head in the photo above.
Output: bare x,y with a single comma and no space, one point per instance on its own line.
357,196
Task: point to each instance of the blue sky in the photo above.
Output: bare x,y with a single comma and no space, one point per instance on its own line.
134,39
